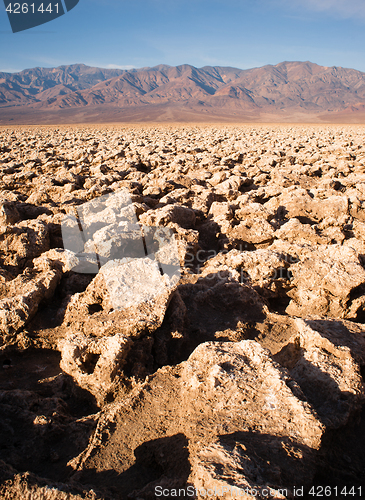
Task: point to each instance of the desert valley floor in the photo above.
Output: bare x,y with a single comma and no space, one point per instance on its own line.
246,373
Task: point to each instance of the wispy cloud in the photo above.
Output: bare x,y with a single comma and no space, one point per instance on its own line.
117,66
343,8
10,70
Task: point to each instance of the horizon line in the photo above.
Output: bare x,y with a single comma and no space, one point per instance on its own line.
172,66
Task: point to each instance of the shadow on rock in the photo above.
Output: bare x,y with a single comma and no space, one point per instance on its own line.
160,462
253,460
216,307
46,419
323,363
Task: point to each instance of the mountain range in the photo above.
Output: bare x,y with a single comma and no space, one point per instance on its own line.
288,91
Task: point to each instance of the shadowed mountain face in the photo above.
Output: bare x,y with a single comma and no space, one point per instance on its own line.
165,93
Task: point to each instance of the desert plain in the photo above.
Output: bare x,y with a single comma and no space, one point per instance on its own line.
247,373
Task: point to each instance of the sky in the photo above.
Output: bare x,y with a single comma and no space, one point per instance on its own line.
238,33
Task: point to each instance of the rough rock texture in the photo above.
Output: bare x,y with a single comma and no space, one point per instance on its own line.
114,301
23,295
328,374
239,387
250,409
30,487
94,363
329,282
205,329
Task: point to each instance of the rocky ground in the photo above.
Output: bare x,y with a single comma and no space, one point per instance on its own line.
247,373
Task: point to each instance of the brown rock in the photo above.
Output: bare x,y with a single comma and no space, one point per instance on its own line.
198,400
24,294
296,232
254,230
264,269
94,363
230,187
327,373
233,404
298,202
227,383
8,214
128,297
23,242
324,283
183,216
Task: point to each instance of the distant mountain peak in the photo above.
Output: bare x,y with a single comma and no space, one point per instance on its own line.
285,89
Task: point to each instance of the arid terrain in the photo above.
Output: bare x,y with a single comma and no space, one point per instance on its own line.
289,92
247,373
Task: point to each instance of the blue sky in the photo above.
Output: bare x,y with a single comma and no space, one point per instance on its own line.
239,33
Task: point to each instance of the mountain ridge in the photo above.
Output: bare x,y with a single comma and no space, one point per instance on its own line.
284,90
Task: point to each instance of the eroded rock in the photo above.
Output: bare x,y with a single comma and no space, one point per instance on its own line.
130,297
23,296
94,363
325,283
266,227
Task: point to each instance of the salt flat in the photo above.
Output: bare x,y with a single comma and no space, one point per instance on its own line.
247,372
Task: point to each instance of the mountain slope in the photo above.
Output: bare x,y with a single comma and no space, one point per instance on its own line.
284,90
29,86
